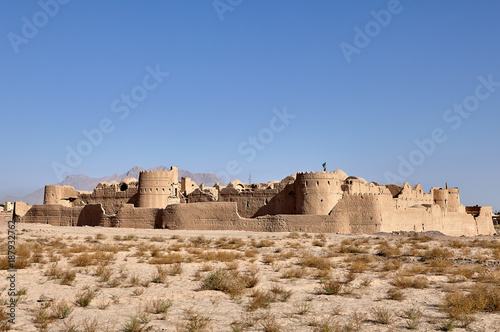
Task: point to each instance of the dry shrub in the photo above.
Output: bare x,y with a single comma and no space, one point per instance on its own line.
457,244
268,259
440,265
415,269
295,272
84,298
229,282
250,253
263,243
174,269
463,271
483,297
410,282
381,315
171,258
158,306
260,299
86,259
20,263
233,243
195,322
200,241
61,310
391,265
395,294
438,253
160,276
316,262
388,251
68,276
4,320
157,239
331,287
492,277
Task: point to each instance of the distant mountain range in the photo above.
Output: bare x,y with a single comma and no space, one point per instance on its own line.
85,183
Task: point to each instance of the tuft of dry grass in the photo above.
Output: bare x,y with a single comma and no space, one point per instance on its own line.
418,282
229,282
381,315
61,309
484,297
171,258
395,294
84,298
331,287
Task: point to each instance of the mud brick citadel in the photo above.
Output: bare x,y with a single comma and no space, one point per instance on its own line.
309,202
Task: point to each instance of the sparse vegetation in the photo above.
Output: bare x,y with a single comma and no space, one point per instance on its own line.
137,268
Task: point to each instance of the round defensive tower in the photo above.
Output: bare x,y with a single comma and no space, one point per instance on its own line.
440,197
317,193
453,200
155,187
52,194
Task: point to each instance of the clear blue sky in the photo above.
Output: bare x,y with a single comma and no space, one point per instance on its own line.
226,76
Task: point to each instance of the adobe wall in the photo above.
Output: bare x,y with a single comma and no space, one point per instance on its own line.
54,194
187,185
358,213
131,217
484,221
6,215
110,196
283,203
249,202
224,216
55,215
91,215
192,216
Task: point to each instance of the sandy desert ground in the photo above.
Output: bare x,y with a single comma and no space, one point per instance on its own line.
97,279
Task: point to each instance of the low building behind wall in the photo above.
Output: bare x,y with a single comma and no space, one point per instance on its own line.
310,202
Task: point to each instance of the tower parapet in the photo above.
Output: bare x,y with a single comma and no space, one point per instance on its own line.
156,188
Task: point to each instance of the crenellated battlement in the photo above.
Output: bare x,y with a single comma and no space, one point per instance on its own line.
316,175
158,173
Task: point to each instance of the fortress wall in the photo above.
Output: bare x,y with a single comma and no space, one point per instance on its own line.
187,185
223,216
130,217
91,215
249,202
197,196
110,198
55,215
358,213
283,203
484,221
192,216
20,209
54,194
6,216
